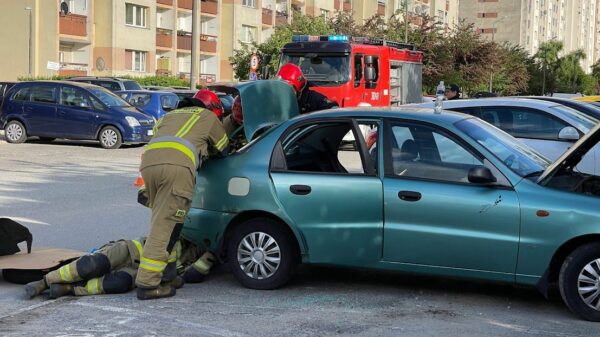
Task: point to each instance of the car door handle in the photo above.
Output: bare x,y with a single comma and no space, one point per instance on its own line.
409,195
300,189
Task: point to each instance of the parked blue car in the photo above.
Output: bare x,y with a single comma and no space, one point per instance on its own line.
61,109
153,103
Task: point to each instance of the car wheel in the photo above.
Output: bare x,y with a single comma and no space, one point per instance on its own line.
579,282
15,133
110,138
261,254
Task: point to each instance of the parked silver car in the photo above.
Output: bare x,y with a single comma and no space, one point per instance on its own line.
547,127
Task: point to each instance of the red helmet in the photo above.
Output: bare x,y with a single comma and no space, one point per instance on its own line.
211,101
293,75
236,111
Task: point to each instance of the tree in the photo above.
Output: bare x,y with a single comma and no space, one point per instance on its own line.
548,56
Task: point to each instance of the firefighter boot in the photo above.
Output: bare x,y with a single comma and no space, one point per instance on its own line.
162,291
32,289
60,289
177,282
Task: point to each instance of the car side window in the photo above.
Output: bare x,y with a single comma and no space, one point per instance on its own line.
423,152
524,123
323,148
73,97
43,94
96,103
22,94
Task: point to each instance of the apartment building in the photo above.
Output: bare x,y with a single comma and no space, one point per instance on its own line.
529,23
147,37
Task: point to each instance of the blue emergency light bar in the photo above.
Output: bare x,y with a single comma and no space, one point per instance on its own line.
321,38
344,38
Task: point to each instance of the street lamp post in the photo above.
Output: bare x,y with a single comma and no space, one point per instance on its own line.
30,66
493,32
405,21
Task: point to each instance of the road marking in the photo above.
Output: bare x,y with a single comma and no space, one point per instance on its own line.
27,220
111,308
29,308
529,331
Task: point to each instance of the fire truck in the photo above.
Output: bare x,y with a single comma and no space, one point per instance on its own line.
357,71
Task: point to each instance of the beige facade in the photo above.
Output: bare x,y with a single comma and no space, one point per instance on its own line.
529,23
148,37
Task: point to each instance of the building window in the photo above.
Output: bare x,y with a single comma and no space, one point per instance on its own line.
249,3
135,60
325,13
248,34
487,15
135,15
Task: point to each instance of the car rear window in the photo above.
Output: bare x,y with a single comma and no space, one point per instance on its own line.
131,85
139,100
110,85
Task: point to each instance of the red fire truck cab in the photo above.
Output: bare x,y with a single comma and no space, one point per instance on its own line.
357,71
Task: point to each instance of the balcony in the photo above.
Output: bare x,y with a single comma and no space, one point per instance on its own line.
185,4
209,7
164,39
207,79
337,5
380,9
73,24
165,2
184,42
281,18
208,43
73,69
163,66
267,16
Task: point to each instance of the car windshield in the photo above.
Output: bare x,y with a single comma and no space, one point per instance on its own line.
131,85
322,70
586,123
108,98
517,156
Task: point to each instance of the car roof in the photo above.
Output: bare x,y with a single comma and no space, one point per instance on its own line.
99,78
499,101
446,117
76,84
151,92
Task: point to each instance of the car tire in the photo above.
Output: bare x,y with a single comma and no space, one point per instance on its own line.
579,281
15,132
253,250
110,138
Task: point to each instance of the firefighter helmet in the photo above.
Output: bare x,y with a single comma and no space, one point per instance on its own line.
292,74
236,111
211,101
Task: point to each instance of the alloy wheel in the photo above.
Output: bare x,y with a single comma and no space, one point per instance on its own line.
588,284
258,255
14,132
109,138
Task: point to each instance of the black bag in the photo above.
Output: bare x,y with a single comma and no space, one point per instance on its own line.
12,233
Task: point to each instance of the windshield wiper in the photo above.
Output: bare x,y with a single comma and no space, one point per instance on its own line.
533,174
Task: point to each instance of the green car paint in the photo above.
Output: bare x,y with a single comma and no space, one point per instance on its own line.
483,232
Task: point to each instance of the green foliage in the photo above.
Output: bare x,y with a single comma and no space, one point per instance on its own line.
164,81
41,78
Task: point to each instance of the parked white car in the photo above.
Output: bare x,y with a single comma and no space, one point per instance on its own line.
547,127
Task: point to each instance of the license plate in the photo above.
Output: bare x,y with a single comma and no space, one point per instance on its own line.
150,132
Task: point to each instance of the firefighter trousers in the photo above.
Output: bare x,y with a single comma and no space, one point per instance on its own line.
110,270
170,189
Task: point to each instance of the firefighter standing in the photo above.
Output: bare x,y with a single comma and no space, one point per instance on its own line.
308,100
182,139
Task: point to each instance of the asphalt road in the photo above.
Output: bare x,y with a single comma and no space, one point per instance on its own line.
77,195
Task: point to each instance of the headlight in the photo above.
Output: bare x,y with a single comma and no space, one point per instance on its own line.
132,121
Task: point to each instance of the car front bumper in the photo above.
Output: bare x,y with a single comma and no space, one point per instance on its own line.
206,228
138,135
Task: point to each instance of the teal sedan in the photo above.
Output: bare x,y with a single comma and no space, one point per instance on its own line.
441,194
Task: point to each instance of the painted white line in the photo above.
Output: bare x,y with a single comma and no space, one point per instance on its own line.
529,331
111,308
211,329
29,308
26,220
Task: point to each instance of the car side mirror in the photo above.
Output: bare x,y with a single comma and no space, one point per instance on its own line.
481,175
568,133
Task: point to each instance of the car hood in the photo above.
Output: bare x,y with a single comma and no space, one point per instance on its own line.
573,156
265,103
133,112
